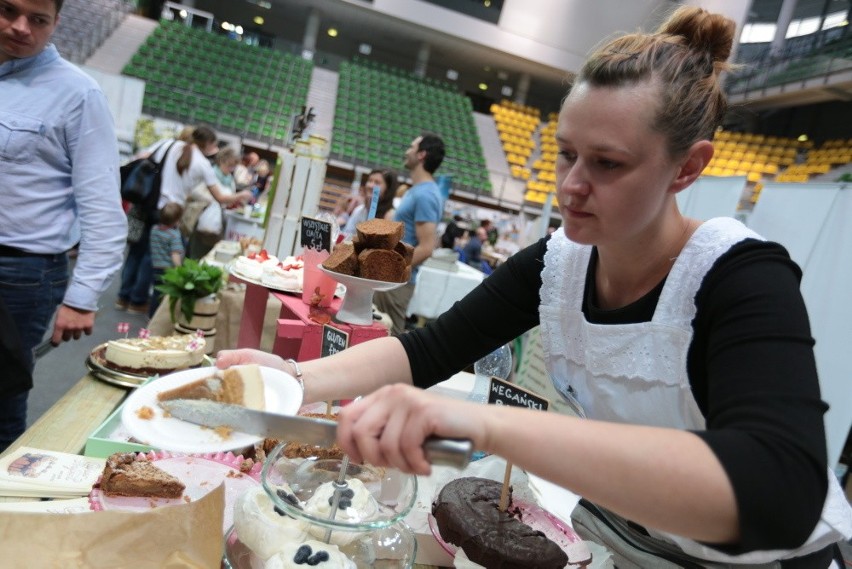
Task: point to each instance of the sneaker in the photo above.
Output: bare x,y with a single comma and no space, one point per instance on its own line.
121,304
138,309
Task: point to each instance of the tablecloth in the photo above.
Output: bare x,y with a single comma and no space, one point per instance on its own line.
436,290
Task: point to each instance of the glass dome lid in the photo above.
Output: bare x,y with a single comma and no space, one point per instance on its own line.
310,488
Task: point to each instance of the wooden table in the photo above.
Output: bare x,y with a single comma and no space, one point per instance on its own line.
66,426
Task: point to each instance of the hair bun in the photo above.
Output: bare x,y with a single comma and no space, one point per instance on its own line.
702,30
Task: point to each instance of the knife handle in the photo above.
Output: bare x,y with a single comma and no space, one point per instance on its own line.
448,452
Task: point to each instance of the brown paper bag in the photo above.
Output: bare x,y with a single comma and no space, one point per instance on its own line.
173,537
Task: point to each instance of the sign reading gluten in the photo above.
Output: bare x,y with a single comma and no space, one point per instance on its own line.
333,341
315,234
505,393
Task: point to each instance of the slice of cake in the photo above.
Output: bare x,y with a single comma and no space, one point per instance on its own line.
125,474
343,259
381,265
379,233
238,385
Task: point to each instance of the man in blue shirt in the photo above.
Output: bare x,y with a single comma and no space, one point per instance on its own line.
58,186
420,210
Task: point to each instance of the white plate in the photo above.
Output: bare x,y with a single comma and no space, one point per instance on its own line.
282,392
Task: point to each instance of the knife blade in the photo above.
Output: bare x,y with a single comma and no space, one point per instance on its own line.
306,430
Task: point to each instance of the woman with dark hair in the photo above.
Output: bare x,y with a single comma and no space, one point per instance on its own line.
386,181
185,165
685,341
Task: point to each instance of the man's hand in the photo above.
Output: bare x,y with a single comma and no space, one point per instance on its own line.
71,323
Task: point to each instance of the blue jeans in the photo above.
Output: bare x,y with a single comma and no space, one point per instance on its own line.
137,273
31,288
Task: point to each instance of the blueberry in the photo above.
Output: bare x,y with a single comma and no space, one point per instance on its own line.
289,498
348,493
302,555
344,504
318,558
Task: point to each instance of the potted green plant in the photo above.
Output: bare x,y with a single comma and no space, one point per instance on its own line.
193,286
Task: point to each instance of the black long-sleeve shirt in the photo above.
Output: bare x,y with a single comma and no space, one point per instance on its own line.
750,365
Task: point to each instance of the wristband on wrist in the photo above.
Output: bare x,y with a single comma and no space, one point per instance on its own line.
297,372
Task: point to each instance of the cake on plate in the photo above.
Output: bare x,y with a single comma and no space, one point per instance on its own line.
375,253
155,354
125,474
467,514
238,385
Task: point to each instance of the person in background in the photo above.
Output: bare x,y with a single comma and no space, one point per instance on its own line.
386,181
244,173
453,232
473,250
166,248
490,231
420,211
59,185
185,166
261,183
202,239
685,342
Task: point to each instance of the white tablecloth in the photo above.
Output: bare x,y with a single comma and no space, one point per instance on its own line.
436,290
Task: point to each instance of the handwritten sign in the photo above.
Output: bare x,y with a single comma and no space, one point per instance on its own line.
333,341
504,393
316,234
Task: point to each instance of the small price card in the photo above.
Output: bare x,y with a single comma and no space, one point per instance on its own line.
333,341
315,234
504,393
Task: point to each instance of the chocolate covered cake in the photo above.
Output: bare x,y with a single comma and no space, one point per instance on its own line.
468,515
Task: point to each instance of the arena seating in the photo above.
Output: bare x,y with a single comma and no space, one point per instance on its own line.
86,24
196,77
380,110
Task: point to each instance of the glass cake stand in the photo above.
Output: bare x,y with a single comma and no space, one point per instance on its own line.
357,307
376,538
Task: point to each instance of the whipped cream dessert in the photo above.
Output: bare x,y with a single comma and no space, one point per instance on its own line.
309,553
356,505
253,264
264,528
288,274
166,353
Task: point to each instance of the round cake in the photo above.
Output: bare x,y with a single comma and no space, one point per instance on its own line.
156,354
467,515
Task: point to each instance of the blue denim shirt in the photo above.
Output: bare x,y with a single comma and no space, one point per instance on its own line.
59,170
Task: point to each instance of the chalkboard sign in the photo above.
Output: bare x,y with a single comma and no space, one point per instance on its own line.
504,393
316,234
333,341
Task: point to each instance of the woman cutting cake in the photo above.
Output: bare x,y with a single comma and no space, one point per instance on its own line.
686,342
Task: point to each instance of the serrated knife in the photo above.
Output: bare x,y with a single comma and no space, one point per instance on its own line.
305,430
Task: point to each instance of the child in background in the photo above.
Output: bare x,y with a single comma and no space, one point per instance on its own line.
166,248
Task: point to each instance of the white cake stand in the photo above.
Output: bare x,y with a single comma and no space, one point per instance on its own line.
357,307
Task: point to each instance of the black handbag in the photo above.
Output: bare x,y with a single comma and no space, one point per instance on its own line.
140,180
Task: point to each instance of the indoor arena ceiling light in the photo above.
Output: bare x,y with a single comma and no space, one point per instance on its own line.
332,32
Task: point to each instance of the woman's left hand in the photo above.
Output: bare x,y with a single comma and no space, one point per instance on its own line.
389,426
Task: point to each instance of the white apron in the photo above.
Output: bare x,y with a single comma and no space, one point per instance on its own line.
636,373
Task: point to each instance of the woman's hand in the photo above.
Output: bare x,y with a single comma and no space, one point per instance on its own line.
228,358
243,196
389,426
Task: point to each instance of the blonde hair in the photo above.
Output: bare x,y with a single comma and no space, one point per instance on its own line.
684,57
